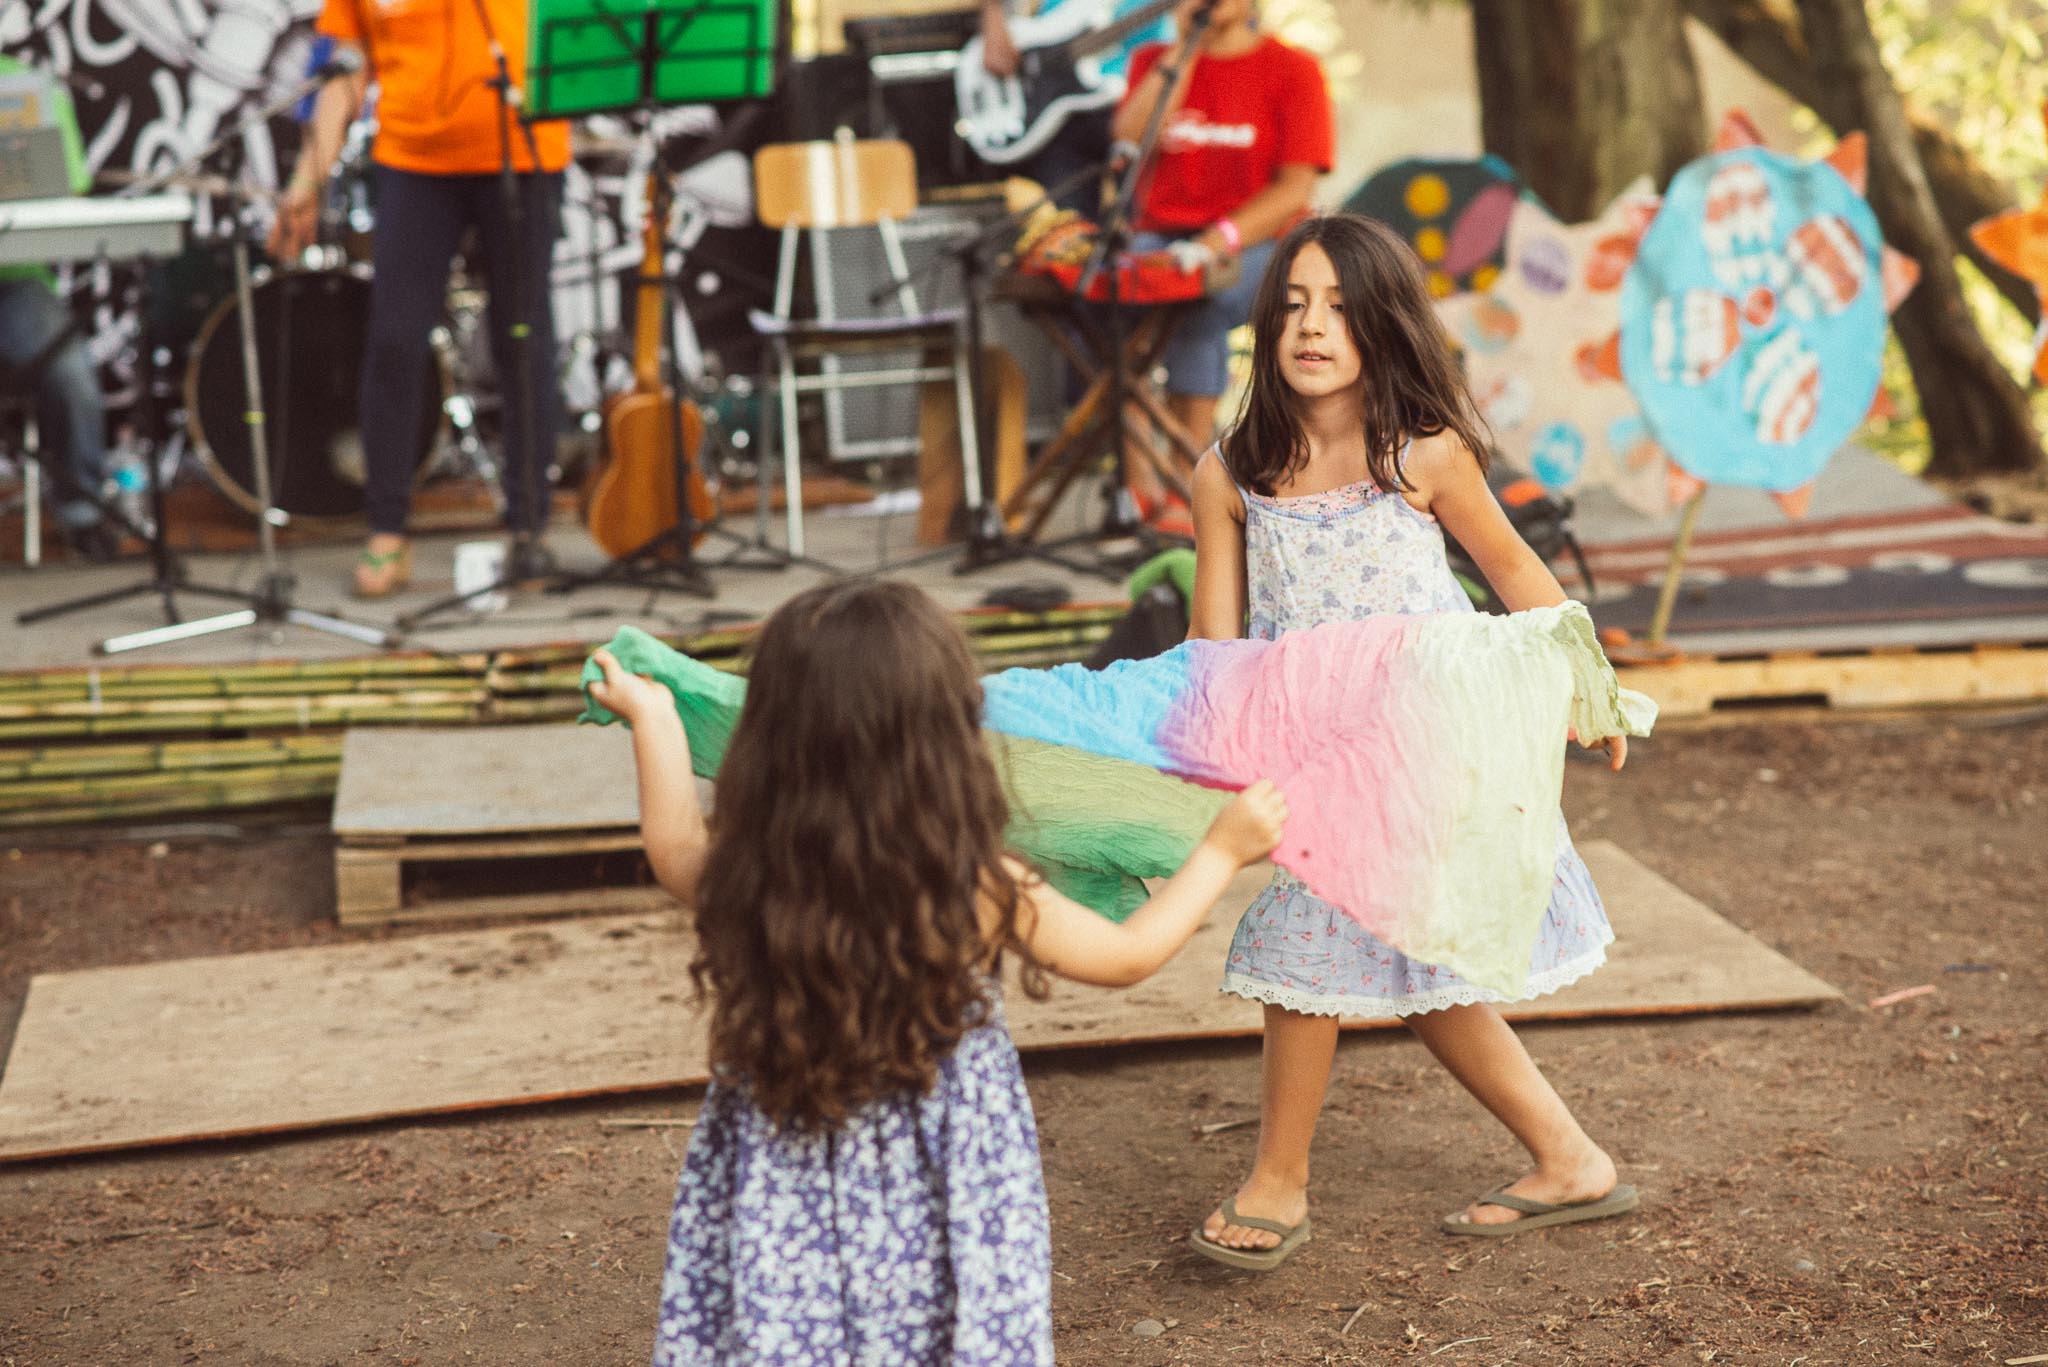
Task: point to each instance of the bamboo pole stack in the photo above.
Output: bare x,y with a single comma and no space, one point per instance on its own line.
158,740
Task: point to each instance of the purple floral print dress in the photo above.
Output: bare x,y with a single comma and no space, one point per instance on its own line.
914,1235
1341,556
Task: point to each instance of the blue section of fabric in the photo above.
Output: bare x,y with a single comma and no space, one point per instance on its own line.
1120,711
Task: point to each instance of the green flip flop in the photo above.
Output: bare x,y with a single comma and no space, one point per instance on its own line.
1542,1214
1251,1259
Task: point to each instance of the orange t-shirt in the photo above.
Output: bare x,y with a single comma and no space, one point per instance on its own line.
436,111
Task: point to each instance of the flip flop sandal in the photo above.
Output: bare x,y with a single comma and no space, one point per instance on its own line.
1542,1214
379,574
1251,1259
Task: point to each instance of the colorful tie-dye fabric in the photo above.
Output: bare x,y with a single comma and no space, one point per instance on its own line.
1422,758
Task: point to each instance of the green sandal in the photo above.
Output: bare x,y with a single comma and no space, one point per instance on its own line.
371,580
1542,1214
1251,1259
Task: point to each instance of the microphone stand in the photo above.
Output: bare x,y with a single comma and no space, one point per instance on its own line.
1121,515
271,601
529,565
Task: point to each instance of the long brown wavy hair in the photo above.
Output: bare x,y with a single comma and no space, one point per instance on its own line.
1411,382
858,823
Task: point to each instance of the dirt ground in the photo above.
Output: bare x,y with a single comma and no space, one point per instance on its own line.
1850,1185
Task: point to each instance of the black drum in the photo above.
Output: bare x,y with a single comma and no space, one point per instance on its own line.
311,328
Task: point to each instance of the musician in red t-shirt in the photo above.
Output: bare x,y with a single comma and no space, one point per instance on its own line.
1248,129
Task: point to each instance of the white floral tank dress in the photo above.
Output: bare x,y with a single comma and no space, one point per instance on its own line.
1341,556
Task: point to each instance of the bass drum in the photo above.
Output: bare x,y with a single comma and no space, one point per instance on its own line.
311,328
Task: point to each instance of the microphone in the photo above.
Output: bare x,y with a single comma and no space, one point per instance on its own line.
81,85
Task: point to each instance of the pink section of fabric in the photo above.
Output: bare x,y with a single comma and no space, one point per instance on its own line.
1327,715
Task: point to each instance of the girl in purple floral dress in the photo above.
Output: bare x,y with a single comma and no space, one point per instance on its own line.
863,1183
1359,448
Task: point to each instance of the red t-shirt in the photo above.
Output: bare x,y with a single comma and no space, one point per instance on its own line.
1244,118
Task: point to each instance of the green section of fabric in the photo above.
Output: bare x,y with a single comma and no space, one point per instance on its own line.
1097,825
1093,825
1176,567
74,159
707,699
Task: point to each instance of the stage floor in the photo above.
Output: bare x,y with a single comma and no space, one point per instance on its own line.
1882,560
853,538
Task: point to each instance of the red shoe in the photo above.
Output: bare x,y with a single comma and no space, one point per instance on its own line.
1168,514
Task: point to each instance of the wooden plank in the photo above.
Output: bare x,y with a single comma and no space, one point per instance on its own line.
573,902
1984,674
485,780
366,888
495,847
295,1039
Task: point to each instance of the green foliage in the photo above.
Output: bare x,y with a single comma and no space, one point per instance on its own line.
1976,66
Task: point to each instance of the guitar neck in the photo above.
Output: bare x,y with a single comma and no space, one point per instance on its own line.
648,301
1109,35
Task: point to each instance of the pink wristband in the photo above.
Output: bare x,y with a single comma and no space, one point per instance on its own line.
1232,238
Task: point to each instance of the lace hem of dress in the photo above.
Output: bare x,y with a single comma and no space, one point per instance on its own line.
1416,1004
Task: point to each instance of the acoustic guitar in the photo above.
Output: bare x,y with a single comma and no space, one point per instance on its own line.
633,499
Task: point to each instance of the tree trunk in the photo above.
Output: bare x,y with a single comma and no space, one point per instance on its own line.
1767,35
1583,96
1977,416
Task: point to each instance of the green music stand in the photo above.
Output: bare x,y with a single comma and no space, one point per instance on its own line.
590,56
638,56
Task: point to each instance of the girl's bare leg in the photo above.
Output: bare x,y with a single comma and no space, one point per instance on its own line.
1487,1058
1298,1053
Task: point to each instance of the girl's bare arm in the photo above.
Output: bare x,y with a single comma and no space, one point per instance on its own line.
1221,590
1074,942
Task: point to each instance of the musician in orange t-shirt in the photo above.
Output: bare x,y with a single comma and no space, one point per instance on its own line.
1248,129
437,159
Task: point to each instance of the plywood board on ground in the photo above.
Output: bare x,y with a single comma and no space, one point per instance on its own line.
296,1039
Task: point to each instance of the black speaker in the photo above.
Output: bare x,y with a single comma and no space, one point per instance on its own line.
824,94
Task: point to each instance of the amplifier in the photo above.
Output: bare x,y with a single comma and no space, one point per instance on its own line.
848,265
941,31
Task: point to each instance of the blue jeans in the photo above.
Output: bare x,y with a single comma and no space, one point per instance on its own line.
70,420
1197,356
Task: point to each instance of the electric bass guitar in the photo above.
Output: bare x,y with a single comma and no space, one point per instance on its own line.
1059,74
633,499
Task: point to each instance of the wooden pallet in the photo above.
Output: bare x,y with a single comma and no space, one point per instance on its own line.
416,803
1885,677
377,882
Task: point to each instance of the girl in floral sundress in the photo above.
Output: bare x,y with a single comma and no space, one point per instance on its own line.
863,1184
1358,450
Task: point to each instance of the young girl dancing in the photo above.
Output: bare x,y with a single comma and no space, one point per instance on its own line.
1359,448
863,1184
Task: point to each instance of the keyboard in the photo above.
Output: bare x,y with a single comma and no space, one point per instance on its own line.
37,232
